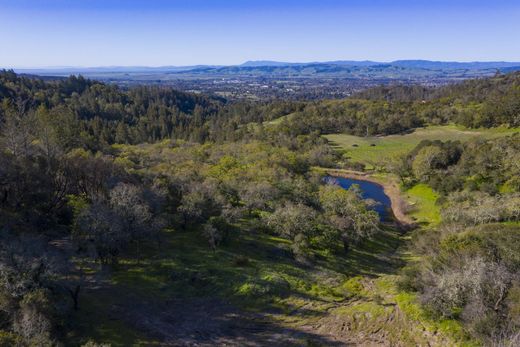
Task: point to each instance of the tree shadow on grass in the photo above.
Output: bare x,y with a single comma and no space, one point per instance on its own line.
183,295
210,322
371,258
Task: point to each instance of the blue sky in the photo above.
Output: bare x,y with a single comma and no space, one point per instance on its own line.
43,33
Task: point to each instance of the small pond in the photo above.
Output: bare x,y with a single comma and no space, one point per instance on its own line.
372,191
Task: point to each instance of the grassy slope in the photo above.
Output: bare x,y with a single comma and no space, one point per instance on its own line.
285,292
356,290
271,281
388,147
422,200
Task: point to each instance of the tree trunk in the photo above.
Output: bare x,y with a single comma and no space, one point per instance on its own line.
346,244
138,244
184,221
74,294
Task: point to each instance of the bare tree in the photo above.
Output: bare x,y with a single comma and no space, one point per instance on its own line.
17,129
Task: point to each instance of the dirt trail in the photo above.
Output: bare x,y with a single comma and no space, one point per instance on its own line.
363,322
374,318
390,188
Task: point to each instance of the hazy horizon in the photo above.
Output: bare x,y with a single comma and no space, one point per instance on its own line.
244,62
96,33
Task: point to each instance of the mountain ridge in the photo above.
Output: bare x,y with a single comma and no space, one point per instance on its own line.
408,63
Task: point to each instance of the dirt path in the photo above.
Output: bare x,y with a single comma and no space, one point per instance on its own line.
366,321
374,317
390,188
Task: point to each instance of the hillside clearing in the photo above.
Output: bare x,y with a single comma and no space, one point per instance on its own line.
380,150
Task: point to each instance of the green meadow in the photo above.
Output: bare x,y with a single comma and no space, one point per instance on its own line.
422,200
376,151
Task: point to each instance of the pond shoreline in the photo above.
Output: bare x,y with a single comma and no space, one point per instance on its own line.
391,189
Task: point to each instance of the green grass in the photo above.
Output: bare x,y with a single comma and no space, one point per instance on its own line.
92,322
279,120
422,199
269,265
269,281
448,327
387,148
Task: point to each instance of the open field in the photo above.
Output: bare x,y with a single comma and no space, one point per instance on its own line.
279,120
380,150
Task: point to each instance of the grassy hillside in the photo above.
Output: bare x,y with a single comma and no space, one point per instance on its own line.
254,277
251,273
423,208
380,150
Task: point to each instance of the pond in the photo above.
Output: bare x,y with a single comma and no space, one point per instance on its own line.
372,191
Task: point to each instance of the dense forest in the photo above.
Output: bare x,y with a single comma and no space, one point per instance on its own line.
92,175
395,109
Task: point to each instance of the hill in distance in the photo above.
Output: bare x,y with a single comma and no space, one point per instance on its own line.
267,80
265,67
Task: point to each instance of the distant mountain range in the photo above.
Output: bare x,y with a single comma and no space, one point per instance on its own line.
398,70
259,63
416,64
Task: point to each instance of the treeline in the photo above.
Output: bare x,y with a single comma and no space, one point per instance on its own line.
353,116
388,110
490,166
91,114
485,102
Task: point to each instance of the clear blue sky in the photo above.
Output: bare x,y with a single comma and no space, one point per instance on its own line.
41,33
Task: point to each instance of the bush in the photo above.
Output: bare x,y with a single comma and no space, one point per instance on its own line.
241,261
353,287
409,279
95,344
472,275
267,286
